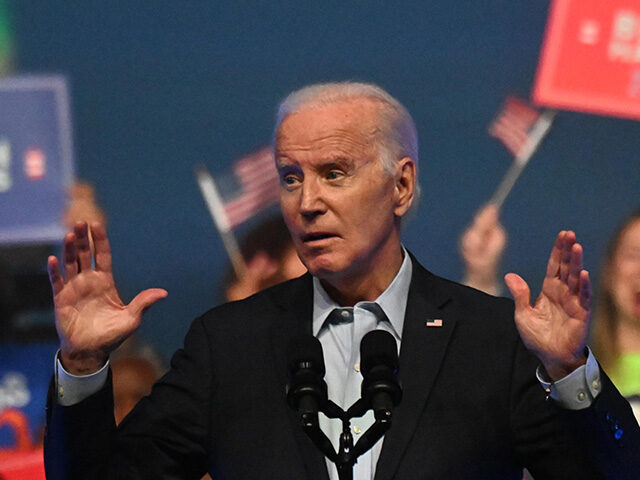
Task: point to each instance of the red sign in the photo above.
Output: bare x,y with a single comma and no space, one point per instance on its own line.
590,58
25,461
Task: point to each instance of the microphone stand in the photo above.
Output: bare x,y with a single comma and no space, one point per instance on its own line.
380,392
348,454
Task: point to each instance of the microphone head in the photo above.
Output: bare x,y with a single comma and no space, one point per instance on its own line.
378,347
306,388
381,389
305,352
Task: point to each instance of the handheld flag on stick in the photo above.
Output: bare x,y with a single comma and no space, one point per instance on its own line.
258,186
520,128
258,190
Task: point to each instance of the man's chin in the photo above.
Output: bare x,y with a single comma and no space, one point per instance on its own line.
323,269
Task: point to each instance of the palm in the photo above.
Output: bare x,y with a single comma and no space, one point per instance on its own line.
91,319
90,313
556,327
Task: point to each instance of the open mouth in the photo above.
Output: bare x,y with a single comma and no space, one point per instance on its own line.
313,237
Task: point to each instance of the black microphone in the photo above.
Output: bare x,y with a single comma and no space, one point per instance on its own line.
306,389
381,388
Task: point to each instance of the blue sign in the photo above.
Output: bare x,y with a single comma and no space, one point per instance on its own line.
36,159
25,372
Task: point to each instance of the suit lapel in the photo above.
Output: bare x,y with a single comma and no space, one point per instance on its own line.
297,309
421,353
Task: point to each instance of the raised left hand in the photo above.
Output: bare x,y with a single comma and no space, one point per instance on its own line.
555,329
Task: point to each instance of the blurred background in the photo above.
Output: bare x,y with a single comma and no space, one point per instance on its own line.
159,87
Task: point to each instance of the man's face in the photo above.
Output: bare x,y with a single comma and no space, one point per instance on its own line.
337,201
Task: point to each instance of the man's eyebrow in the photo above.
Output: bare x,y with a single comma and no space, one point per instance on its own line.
285,163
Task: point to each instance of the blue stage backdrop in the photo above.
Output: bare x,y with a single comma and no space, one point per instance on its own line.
161,86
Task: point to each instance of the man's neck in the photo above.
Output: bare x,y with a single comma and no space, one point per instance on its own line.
350,289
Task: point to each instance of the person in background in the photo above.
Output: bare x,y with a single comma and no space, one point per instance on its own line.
271,258
616,332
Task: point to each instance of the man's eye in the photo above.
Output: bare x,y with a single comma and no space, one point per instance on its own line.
289,179
334,175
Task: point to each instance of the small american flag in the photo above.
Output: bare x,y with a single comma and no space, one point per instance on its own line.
520,128
259,186
513,124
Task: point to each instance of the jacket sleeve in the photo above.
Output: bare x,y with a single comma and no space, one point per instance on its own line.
599,442
165,436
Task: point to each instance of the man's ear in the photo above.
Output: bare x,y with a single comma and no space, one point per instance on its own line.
405,185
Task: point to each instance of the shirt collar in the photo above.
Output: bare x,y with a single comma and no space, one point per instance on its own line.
393,300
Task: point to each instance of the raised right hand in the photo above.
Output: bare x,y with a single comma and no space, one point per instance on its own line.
91,319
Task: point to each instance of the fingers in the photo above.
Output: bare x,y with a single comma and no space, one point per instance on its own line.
560,259
585,290
70,256
77,250
574,268
487,219
485,225
102,248
145,299
55,277
519,291
83,247
565,260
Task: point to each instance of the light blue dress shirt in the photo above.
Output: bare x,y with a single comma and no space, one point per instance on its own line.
341,347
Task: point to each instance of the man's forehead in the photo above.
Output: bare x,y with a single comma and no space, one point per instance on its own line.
356,120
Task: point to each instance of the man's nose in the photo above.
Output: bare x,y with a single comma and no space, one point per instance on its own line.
311,199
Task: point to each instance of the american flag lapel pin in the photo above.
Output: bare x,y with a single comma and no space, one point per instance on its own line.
435,322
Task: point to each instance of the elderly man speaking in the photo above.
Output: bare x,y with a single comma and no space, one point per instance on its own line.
489,386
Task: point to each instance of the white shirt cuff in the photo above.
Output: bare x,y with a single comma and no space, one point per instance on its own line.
72,389
577,390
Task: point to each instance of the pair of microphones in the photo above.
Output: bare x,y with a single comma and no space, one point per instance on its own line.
380,391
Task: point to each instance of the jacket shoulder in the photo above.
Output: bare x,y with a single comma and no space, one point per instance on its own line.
265,303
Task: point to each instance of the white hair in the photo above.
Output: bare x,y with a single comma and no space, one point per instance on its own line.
397,138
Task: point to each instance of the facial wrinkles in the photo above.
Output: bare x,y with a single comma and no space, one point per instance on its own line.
341,142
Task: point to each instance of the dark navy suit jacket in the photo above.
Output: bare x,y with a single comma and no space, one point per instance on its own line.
472,407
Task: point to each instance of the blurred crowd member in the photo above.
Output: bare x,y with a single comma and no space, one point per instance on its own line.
482,246
270,256
616,334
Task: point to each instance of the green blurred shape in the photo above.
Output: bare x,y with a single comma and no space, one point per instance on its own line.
6,40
